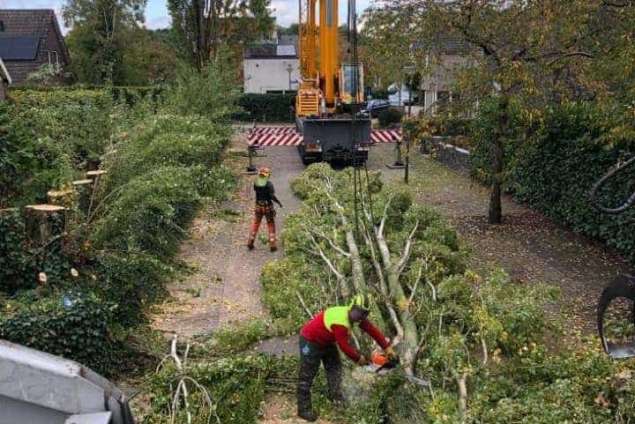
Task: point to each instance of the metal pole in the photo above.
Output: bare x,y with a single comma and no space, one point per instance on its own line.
410,97
407,168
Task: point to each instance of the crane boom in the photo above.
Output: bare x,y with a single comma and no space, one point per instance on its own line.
329,92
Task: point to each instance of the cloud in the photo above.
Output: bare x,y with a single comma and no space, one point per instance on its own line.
158,22
286,11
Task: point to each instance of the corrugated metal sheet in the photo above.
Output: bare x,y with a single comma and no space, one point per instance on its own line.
19,48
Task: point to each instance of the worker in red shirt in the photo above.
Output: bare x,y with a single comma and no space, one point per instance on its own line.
318,340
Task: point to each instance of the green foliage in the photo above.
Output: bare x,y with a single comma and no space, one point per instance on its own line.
554,168
555,172
236,385
538,387
101,32
73,325
227,26
78,120
211,93
131,280
150,213
283,280
390,117
20,261
267,107
167,140
31,160
162,162
16,262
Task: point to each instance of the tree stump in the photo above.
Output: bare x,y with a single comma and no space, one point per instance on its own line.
44,223
84,189
65,197
96,177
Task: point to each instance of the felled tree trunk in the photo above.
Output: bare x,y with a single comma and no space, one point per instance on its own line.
388,272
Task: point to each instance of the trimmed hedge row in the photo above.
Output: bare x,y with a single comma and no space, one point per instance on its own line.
127,94
266,107
554,170
103,274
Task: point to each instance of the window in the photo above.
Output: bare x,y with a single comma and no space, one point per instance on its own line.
1,26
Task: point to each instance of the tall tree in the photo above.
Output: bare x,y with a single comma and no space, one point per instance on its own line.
99,33
528,51
203,27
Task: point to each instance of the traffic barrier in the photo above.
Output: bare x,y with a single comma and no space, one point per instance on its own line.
288,136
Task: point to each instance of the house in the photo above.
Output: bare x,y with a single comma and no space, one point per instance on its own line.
447,56
5,81
271,67
29,39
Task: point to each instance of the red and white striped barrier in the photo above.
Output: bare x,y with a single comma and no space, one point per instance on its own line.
288,136
385,136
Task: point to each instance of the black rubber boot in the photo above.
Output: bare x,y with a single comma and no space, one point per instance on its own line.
308,415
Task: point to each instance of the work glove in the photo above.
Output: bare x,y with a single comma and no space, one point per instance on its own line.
390,353
362,361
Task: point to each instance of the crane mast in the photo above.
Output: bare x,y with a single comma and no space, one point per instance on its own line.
329,93
318,42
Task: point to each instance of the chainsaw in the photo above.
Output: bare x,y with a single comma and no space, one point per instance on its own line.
381,364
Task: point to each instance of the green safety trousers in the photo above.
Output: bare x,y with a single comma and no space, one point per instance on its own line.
311,355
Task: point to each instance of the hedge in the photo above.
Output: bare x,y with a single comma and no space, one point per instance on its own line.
554,170
126,94
267,107
70,324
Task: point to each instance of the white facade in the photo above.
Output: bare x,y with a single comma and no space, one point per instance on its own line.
263,75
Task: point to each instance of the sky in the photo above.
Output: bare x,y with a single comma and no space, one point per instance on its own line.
285,11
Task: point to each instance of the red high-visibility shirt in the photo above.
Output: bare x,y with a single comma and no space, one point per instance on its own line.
316,332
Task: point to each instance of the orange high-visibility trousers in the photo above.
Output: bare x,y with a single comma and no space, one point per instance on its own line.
268,212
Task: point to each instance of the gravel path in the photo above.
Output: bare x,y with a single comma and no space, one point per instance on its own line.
224,289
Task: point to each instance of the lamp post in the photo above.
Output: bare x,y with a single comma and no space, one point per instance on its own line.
289,70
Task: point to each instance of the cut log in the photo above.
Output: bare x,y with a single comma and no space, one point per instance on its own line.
44,222
65,198
96,174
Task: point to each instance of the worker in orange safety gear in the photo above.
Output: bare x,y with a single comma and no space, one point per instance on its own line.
265,196
319,339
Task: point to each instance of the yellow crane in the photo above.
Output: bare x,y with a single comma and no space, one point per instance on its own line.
329,93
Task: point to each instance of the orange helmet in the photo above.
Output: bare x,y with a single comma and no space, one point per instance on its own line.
264,172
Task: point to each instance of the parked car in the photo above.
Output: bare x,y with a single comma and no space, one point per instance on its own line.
375,106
